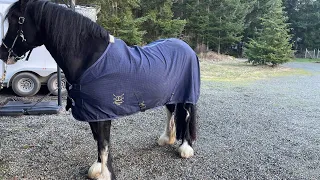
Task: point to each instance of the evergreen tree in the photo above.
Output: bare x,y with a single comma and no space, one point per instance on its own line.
138,21
258,8
197,17
214,23
159,21
304,19
117,17
271,43
226,23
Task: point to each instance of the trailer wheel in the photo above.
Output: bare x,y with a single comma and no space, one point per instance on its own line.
26,84
52,84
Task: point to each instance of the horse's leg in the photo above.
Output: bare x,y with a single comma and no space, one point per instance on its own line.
186,128
169,134
102,168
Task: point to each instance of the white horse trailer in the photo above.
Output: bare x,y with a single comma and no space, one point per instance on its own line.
26,77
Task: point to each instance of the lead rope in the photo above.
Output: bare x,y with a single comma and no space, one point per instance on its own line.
5,72
38,101
41,99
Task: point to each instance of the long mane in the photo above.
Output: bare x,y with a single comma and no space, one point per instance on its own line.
65,28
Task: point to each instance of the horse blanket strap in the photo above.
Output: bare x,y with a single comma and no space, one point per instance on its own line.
126,80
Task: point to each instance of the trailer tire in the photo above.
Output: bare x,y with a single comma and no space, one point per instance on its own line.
52,84
26,84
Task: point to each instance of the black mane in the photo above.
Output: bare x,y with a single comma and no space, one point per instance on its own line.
64,27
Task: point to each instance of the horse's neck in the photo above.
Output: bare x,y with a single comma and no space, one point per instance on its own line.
73,61
74,66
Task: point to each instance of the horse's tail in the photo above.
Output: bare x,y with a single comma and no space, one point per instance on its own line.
186,123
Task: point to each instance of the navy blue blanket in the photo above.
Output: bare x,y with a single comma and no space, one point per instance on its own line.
126,80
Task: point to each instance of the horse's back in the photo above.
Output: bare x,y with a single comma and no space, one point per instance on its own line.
175,68
171,49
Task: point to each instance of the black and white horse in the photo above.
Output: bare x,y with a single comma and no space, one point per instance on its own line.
76,43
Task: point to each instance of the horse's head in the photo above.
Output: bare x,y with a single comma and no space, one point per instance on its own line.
22,35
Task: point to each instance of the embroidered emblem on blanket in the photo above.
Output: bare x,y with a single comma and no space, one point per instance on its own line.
118,100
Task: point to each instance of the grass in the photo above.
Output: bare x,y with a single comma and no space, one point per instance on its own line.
234,71
305,60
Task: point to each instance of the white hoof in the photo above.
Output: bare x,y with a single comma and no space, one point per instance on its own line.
94,172
186,150
163,140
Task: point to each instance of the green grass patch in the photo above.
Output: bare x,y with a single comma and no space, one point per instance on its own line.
241,72
305,60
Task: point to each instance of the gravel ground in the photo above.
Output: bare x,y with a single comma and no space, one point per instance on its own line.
269,129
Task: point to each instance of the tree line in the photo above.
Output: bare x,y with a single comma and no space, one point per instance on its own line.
268,29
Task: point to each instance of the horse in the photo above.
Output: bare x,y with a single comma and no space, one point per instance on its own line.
108,79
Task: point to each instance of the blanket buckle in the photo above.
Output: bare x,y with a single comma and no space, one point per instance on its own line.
142,106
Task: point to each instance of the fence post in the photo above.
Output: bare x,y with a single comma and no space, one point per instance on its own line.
73,5
305,54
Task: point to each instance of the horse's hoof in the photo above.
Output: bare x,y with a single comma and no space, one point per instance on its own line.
94,172
163,140
103,178
186,150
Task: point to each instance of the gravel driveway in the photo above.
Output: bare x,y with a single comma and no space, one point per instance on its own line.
268,129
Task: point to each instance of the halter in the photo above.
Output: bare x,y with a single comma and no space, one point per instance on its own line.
19,34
